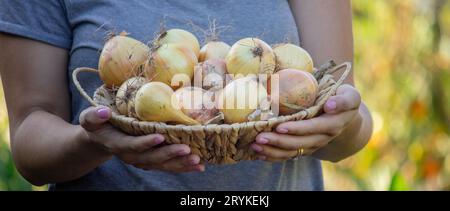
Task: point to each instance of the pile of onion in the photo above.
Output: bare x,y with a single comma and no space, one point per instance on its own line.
155,83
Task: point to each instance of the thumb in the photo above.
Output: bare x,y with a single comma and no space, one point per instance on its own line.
93,118
347,98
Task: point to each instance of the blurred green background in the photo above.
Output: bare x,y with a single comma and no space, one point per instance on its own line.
402,68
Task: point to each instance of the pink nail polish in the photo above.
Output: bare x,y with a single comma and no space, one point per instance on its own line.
282,130
103,113
257,148
193,161
331,105
158,140
201,168
182,152
262,141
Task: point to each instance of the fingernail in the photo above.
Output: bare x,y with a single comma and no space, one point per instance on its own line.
201,168
193,161
331,105
257,148
182,152
262,141
261,157
158,140
282,130
103,113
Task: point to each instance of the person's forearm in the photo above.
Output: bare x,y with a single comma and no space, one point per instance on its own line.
47,149
351,140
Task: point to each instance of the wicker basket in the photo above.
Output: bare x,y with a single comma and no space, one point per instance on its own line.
216,144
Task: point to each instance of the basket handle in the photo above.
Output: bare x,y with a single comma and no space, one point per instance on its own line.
348,68
78,85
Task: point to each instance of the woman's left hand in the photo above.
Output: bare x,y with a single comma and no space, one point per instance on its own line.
304,137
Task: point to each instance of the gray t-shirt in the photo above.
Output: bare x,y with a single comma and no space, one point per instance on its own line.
81,26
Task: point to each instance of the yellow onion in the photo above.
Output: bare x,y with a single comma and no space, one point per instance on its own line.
153,102
122,57
196,103
240,98
250,56
300,91
180,36
214,50
290,56
125,95
210,74
169,60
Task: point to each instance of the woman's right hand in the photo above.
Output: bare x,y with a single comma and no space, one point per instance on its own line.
142,152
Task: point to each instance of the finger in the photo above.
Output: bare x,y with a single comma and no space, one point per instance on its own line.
347,98
274,152
329,124
289,142
315,125
163,154
178,165
184,164
94,118
121,143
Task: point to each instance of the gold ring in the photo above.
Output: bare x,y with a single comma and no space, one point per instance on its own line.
300,152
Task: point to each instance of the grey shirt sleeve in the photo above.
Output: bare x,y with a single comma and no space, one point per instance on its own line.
44,21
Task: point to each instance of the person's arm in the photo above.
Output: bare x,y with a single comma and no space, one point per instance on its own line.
45,147
325,30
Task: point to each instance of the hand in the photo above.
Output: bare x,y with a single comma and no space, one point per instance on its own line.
310,135
140,151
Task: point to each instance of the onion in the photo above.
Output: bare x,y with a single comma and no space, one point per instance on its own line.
168,61
250,56
211,74
214,50
196,103
290,56
179,36
299,93
122,57
153,102
125,95
240,98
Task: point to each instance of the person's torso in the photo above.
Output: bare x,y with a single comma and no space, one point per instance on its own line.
270,20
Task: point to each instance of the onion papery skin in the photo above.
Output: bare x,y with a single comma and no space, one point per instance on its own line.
122,57
193,102
290,56
210,74
244,90
125,95
250,56
181,37
153,102
169,60
214,50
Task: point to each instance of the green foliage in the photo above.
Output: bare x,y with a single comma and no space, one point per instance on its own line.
402,68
